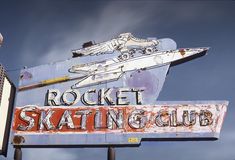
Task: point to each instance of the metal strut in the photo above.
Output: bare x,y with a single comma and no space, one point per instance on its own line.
18,153
111,153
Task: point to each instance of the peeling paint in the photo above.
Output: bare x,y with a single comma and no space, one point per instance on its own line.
142,118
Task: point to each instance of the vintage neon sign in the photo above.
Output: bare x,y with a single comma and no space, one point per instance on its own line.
126,118
111,100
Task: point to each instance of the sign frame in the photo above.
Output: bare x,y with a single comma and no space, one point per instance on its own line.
6,135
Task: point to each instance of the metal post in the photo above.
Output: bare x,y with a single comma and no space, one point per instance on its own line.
111,153
18,153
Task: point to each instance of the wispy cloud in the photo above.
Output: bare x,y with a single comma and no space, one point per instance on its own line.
111,21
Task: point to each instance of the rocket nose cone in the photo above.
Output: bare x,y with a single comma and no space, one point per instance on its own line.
204,50
167,44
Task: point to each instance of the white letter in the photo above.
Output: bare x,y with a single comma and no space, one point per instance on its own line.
53,97
26,118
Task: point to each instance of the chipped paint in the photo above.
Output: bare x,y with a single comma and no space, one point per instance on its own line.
100,72
111,100
178,120
126,43
182,52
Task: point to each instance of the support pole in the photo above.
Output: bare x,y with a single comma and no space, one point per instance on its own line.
18,153
111,153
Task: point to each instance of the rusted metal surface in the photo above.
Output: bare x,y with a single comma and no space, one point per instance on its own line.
126,124
18,140
110,99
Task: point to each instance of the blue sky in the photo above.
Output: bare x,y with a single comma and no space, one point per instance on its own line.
39,32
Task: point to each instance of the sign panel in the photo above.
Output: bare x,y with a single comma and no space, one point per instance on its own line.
7,93
119,125
110,99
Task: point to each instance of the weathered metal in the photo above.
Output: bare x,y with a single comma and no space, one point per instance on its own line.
111,153
111,70
7,94
18,153
110,100
136,54
54,74
110,96
118,125
125,43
